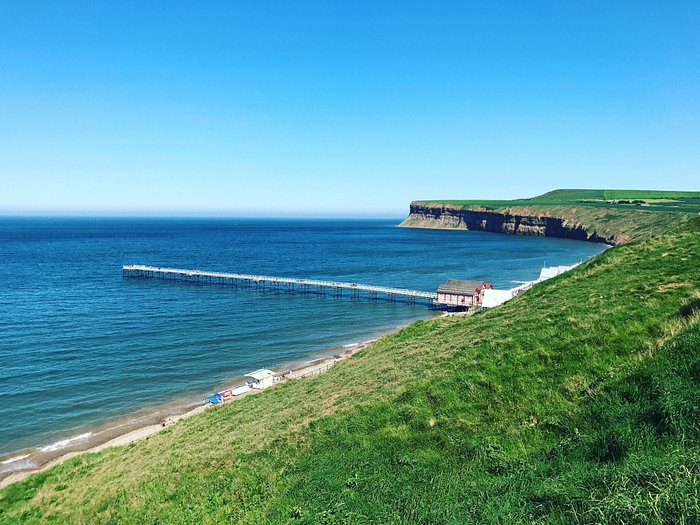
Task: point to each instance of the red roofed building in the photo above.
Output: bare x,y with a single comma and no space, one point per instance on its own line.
459,292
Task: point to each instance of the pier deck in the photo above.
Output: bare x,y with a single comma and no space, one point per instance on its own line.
276,283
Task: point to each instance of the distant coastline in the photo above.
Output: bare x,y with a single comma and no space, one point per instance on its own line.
508,222
612,217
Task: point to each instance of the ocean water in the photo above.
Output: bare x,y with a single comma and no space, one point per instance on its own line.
80,345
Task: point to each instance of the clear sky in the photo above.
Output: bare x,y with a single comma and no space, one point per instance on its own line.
340,108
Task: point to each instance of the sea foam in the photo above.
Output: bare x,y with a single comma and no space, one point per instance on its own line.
16,458
65,442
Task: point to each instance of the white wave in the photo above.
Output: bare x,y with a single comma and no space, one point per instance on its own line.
64,442
16,458
351,345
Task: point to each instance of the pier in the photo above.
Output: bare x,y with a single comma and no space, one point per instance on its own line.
286,284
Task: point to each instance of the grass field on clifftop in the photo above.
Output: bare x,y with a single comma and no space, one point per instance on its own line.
574,403
641,200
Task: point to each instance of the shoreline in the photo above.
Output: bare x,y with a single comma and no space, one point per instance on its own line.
167,415
289,372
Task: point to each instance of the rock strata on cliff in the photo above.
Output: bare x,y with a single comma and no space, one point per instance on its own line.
445,216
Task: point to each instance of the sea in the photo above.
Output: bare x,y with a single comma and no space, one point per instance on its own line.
86,353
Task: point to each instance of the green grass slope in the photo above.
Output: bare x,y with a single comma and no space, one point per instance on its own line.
574,403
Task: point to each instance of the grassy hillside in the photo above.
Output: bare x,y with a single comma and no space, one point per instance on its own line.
574,403
621,215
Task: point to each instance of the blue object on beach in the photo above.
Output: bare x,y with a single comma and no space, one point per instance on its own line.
214,400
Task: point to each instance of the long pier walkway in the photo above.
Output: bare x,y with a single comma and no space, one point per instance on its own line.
355,290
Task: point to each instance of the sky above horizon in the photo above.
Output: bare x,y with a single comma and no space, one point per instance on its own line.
340,108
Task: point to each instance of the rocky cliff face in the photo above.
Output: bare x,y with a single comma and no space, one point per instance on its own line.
497,221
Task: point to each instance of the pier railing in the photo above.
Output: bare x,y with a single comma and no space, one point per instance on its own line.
355,290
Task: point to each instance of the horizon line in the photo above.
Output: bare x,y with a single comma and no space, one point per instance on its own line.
73,215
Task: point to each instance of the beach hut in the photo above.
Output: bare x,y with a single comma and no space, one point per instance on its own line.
261,379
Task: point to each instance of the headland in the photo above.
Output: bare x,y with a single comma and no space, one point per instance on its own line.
608,216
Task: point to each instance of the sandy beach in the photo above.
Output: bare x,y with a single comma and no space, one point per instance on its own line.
286,373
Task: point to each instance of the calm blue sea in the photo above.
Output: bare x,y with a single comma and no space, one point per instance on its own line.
80,345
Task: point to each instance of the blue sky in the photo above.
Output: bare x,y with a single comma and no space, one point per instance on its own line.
340,109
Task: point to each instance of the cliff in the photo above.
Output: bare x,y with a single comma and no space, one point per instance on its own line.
525,222
609,216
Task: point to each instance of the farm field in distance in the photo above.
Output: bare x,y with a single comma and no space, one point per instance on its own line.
648,200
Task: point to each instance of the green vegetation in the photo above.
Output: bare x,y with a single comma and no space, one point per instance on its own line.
646,200
574,403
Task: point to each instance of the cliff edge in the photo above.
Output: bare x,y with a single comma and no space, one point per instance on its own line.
510,221
608,216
